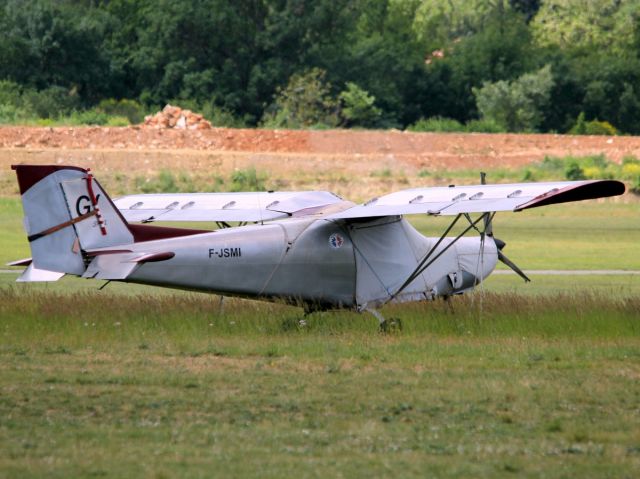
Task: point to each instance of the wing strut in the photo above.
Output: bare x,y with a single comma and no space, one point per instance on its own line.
422,266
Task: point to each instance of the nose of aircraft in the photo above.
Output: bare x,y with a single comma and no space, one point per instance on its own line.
477,258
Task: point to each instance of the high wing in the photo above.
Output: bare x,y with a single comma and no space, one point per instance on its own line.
454,200
259,206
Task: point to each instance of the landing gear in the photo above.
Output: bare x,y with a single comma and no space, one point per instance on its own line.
386,325
391,325
449,303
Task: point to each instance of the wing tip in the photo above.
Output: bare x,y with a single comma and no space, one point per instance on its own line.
579,191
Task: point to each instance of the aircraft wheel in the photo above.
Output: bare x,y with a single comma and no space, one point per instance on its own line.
391,325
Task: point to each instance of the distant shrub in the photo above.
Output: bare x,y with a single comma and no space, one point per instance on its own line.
384,173
86,117
131,109
358,107
593,127
528,175
630,170
574,168
449,125
517,105
10,93
437,124
52,102
44,122
11,114
186,182
305,101
215,183
592,172
247,180
593,166
219,116
598,161
573,172
483,126
12,108
596,127
165,182
551,164
117,121
580,128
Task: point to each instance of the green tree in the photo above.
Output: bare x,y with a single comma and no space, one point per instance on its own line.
384,58
529,8
417,58
46,44
629,110
516,105
610,90
437,22
607,25
501,50
358,107
306,101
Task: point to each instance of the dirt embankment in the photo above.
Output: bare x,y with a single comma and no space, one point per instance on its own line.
422,150
293,153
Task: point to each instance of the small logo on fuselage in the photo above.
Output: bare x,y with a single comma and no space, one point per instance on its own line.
336,241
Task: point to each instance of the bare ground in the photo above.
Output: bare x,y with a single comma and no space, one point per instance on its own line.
292,155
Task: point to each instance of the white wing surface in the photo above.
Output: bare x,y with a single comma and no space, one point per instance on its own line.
259,206
453,200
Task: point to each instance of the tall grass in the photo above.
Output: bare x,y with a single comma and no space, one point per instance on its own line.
33,317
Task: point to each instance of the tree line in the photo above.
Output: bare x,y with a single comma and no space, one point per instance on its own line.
480,65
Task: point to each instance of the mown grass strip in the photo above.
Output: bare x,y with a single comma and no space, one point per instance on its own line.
345,404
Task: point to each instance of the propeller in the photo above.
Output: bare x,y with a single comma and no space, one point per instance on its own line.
488,230
501,244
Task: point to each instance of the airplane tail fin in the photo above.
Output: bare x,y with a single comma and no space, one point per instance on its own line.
67,211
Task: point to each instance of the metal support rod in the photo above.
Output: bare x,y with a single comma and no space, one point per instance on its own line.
413,275
420,269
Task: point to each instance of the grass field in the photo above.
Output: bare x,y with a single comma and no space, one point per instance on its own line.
535,380
165,385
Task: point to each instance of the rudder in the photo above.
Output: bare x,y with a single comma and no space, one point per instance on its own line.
67,211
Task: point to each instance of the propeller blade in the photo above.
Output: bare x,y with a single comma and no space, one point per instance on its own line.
499,243
512,265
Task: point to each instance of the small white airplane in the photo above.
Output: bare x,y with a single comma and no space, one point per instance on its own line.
311,249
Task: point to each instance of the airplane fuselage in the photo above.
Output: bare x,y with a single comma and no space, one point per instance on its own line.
318,263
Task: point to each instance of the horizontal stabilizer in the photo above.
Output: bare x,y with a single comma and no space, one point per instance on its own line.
119,264
32,275
21,262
